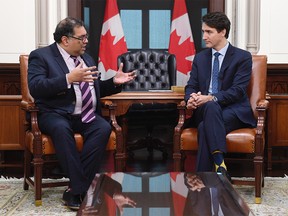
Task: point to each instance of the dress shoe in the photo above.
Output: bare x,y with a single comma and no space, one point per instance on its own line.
224,172
73,201
66,196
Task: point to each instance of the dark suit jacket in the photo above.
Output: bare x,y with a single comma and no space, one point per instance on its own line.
48,85
199,203
234,77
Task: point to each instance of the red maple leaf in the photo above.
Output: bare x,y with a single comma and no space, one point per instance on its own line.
108,52
181,52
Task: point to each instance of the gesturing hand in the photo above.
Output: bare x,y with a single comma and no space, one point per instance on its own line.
121,200
121,77
80,74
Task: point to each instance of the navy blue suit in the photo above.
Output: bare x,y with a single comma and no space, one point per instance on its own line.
47,84
232,110
201,202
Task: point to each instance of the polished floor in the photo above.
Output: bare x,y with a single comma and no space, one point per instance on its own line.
144,162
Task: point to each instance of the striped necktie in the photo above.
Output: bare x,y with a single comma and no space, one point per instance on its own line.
215,72
87,112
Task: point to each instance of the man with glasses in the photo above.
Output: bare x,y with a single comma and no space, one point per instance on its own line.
64,83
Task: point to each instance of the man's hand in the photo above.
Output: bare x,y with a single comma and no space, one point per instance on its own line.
197,100
121,200
193,182
121,77
80,74
192,102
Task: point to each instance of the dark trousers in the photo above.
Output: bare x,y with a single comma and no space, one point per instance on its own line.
213,123
80,167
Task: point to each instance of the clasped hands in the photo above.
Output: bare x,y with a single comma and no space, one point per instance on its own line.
89,74
197,99
193,182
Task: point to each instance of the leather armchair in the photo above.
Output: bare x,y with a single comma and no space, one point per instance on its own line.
245,141
39,148
156,70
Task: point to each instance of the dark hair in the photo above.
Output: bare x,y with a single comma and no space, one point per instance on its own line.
66,28
217,20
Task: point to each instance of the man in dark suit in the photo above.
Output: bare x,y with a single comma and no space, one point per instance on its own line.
216,92
207,195
57,76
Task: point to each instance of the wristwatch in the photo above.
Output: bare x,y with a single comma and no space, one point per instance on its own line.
215,99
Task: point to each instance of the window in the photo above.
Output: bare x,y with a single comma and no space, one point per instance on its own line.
146,23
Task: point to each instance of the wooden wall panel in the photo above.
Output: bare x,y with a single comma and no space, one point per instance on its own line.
12,123
277,124
11,119
10,79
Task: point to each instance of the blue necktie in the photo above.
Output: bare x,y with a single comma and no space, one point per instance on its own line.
215,201
87,114
215,72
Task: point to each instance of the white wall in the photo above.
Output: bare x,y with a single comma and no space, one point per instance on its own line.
28,24
17,29
274,30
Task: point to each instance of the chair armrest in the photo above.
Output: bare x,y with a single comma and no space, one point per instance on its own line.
177,135
112,113
32,125
28,106
261,109
181,117
118,130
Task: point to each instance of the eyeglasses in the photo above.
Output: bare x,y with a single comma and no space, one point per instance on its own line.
82,38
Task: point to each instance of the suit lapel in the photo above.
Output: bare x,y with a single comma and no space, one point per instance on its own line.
225,64
207,70
59,59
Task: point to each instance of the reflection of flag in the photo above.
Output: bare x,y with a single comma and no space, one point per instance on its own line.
179,192
181,42
112,41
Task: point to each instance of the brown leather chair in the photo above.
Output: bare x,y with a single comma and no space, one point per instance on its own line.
38,146
245,141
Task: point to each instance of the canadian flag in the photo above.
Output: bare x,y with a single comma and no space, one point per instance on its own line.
112,41
179,193
181,42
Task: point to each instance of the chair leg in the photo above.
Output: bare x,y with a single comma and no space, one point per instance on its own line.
27,168
258,170
177,162
38,166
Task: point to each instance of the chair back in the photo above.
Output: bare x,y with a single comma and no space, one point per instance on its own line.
257,87
156,70
26,97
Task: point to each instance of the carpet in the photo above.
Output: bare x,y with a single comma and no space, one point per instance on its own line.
15,201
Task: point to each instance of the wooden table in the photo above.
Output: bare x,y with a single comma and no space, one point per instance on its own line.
162,194
124,100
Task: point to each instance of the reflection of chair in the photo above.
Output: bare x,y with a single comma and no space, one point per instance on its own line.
247,140
40,145
156,70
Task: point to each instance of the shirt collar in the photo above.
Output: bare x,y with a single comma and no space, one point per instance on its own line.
222,51
63,52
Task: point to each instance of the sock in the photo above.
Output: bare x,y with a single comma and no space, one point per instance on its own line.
218,160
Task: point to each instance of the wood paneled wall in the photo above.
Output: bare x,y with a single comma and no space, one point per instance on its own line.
12,118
